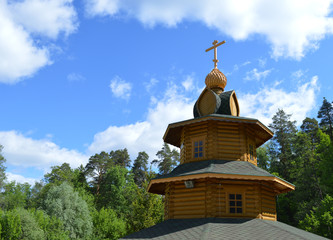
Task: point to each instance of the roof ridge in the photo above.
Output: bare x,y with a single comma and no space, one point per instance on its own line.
284,230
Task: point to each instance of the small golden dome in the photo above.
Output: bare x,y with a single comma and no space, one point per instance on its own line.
216,79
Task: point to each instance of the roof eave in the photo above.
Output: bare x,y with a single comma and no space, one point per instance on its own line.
216,117
282,185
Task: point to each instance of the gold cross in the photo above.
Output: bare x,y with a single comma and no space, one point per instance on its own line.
215,45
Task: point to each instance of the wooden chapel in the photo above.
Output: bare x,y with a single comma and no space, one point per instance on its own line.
217,191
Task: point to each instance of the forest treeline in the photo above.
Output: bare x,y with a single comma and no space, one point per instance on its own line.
107,198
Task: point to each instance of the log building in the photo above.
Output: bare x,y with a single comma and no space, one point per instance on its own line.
218,191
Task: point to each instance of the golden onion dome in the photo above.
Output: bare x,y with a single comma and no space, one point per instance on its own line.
216,79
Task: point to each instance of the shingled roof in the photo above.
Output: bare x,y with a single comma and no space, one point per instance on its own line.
222,228
222,169
216,166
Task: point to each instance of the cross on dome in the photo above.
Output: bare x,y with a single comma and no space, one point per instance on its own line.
215,45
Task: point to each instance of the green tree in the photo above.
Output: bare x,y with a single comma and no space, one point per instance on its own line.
140,168
121,157
30,228
97,167
2,168
146,210
53,227
65,204
117,190
11,225
325,114
320,220
325,150
263,157
15,195
282,142
167,159
306,170
60,174
107,225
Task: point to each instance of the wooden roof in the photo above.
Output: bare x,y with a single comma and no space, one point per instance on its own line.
173,133
221,169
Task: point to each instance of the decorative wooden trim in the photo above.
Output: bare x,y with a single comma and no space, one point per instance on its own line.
235,192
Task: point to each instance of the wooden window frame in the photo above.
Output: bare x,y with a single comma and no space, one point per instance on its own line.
242,205
201,144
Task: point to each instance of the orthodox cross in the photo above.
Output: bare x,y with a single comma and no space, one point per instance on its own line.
215,45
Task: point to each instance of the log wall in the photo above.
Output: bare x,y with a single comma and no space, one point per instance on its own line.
222,140
209,198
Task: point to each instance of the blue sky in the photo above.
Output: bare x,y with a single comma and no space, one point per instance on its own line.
81,77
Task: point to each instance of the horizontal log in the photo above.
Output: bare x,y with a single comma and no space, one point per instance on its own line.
268,201
188,190
188,203
189,212
234,139
194,208
180,186
188,216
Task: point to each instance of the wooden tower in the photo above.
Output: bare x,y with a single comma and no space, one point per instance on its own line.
218,175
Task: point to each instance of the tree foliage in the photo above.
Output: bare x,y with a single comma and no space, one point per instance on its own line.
320,219
107,224
140,168
62,202
325,114
281,147
167,159
2,168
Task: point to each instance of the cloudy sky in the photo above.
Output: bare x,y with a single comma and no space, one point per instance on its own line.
81,77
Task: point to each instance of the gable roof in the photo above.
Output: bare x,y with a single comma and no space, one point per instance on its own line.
222,228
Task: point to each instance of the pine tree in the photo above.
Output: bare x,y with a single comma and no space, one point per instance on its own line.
121,157
325,114
97,167
167,159
140,168
281,147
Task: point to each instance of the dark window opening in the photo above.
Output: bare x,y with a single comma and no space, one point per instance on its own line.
235,203
198,149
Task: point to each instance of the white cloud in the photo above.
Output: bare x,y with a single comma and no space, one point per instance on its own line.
254,74
262,62
149,85
20,23
146,135
75,77
45,17
101,7
237,67
264,104
120,88
23,151
20,179
188,83
291,27
298,74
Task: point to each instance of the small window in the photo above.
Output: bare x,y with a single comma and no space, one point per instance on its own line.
251,152
235,203
198,149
